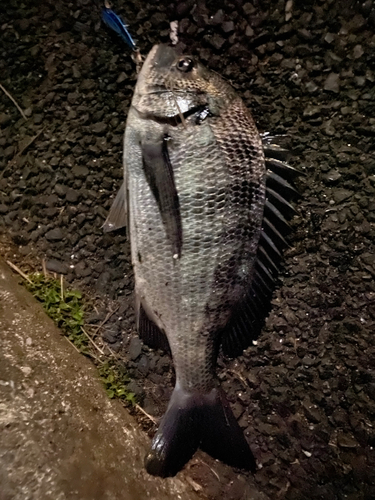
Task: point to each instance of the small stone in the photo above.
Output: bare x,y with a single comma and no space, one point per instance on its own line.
332,83
366,7
249,31
309,360
368,258
305,34
228,26
61,190
346,110
218,17
72,97
328,128
38,119
340,417
311,112
216,41
358,51
360,81
72,195
149,406
54,234
346,441
103,281
9,151
21,239
81,270
24,24
329,38
99,128
332,177
96,317
136,389
249,8
56,266
26,370
370,389
311,86
340,195
311,411
121,78
110,337
135,348
163,365
80,171
4,119
143,365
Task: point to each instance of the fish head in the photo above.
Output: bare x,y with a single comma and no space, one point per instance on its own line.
171,82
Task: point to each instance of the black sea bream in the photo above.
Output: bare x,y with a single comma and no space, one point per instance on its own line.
203,241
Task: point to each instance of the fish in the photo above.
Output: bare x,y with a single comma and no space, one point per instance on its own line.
115,23
206,200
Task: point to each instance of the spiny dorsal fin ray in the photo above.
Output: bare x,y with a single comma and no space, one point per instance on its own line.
276,217
280,185
280,202
274,234
281,168
276,146
266,258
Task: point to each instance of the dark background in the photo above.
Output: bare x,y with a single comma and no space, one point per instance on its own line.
305,393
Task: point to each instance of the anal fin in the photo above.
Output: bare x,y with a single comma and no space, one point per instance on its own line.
150,333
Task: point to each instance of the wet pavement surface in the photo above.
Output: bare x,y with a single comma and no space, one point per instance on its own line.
305,393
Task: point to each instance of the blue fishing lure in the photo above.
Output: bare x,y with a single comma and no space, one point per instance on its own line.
113,21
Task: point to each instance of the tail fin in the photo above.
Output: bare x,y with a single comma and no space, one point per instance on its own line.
197,420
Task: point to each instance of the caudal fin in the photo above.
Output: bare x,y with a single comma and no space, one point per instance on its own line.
195,420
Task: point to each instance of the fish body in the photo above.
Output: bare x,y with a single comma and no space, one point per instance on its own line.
195,191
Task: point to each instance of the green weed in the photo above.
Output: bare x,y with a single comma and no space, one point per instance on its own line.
66,308
115,380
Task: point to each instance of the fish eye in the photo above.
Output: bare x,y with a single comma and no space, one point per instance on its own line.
185,64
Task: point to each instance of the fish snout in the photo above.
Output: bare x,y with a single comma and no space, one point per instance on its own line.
156,68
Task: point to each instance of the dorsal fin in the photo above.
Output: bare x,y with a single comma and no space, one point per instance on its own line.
248,317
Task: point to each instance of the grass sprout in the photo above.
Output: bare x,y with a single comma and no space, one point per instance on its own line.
66,308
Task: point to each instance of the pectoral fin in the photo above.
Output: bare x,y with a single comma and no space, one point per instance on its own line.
159,174
118,216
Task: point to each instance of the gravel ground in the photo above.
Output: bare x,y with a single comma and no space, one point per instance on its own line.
305,393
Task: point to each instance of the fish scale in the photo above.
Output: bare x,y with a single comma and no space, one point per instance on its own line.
204,255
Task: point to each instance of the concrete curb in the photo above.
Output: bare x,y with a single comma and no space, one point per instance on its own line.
61,437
